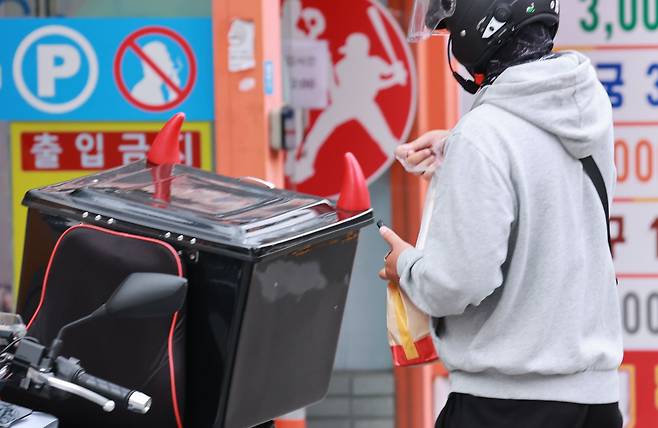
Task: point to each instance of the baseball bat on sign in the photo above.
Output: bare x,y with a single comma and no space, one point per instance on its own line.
380,29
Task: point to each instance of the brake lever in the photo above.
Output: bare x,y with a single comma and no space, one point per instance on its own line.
63,385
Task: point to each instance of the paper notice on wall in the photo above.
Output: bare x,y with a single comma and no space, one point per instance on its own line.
241,40
309,70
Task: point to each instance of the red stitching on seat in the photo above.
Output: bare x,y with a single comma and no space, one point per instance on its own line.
170,339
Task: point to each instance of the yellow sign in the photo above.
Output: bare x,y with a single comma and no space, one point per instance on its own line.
46,153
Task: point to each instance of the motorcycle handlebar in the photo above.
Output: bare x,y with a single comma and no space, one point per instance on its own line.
71,388
69,369
30,362
134,401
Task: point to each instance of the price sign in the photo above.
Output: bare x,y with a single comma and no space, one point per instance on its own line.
639,389
602,22
634,232
621,38
630,76
636,155
639,304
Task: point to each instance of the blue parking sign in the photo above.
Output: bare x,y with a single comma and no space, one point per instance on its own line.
106,69
47,55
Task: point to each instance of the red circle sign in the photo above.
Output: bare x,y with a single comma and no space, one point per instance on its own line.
372,91
155,66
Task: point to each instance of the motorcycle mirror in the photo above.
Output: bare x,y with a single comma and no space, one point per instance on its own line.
146,295
140,295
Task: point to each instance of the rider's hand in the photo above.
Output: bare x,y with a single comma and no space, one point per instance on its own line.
398,245
423,155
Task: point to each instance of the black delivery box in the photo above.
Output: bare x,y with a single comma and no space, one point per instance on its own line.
268,274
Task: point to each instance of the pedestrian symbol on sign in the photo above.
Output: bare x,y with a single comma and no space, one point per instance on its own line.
155,69
55,69
152,87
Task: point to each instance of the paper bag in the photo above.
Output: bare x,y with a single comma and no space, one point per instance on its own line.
408,327
408,330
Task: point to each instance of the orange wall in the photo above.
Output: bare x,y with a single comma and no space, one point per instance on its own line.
242,117
438,108
242,144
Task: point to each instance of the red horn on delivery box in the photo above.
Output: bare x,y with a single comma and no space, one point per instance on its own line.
164,153
354,195
165,148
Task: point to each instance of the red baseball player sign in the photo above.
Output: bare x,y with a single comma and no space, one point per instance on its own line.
371,90
155,68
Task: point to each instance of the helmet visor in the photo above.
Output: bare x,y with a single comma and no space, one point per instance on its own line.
428,16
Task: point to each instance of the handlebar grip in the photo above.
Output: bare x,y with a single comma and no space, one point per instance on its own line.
134,401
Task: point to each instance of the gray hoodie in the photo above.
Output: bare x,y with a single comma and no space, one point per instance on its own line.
516,264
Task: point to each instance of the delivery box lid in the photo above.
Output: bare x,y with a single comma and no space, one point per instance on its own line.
199,205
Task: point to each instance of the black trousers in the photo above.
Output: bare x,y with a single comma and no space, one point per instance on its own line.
468,411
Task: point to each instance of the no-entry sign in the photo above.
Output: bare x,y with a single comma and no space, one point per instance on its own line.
159,83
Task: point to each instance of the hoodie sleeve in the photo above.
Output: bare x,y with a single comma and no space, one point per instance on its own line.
468,234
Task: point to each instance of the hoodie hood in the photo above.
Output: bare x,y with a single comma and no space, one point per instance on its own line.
560,94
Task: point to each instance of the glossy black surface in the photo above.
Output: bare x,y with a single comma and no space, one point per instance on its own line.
193,204
268,275
216,282
87,267
289,331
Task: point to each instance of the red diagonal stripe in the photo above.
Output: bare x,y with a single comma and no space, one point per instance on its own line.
140,53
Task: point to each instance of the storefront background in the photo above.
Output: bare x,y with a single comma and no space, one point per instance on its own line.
363,342
6,266
621,37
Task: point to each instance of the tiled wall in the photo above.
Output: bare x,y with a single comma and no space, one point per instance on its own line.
356,399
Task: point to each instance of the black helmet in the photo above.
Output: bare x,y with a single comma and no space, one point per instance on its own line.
478,28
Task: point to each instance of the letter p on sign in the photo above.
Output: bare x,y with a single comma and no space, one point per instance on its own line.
55,61
70,65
